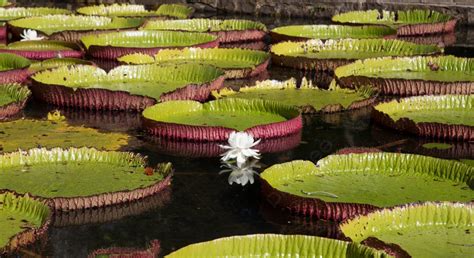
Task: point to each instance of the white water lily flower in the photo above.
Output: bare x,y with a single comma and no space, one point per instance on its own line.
30,35
240,148
241,175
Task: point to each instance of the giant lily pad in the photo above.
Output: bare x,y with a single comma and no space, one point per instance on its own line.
22,220
327,55
421,230
41,50
82,178
125,87
215,120
342,186
7,14
273,245
13,68
26,134
117,44
13,98
308,98
227,30
237,63
72,27
135,10
305,32
442,117
57,62
411,75
407,22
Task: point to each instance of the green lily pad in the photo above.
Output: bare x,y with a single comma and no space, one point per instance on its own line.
7,14
87,177
329,54
446,116
41,45
204,25
22,220
423,230
237,63
370,180
135,10
470,162
51,24
152,80
308,98
393,19
147,39
11,93
12,62
299,32
437,145
26,134
58,62
273,245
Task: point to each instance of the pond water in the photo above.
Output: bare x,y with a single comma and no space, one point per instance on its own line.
201,205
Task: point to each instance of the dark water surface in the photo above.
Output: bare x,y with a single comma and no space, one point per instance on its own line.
201,205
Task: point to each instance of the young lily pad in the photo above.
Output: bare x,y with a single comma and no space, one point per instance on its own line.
133,87
135,10
411,75
226,30
72,27
13,68
342,186
420,230
308,98
7,14
441,117
82,178
150,252
327,55
43,49
237,63
22,220
57,62
407,22
116,44
26,134
273,245
13,98
305,32
215,120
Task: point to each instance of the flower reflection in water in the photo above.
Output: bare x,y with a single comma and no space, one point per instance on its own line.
241,174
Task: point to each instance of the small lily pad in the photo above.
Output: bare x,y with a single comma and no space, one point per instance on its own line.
43,49
12,13
81,178
437,145
13,98
135,10
420,230
13,68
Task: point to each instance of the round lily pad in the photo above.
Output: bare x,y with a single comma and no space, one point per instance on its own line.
421,230
43,49
308,98
305,32
116,44
274,245
215,120
441,117
13,98
411,75
407,22
13,68
22,220
72,27
82,178
226,30
133,87
342,186
237,63
27,133
57,62
327,55
12,13
135,10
